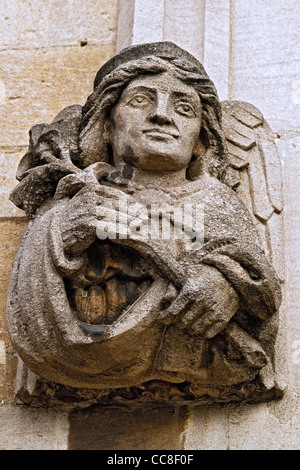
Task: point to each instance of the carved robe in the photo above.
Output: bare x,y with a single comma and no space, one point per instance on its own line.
124,343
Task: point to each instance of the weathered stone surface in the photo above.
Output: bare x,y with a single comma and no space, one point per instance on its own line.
270,89
265,61
11,233
271,426
207,428
280,419
179,316
116,429
184,24
289,146
22,428
40,82
274,426
179,21
33,24
8,167
217,45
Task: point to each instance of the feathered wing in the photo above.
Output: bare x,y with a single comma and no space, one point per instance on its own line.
254,173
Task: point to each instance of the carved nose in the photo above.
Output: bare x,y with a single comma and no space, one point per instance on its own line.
160,113
160,118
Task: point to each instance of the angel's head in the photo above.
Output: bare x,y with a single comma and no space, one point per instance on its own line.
154,107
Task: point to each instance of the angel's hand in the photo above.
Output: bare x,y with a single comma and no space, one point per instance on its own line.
84,212
205,304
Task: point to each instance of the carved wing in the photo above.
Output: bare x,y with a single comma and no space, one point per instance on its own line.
254,173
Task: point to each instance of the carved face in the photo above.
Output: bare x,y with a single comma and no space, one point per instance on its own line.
156,123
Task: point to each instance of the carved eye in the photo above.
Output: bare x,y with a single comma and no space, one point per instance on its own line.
185,108
139,101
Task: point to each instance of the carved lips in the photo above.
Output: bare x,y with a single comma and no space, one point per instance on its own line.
161,133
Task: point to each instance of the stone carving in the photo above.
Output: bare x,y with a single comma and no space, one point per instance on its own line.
190,316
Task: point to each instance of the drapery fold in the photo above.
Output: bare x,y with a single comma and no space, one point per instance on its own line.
49,338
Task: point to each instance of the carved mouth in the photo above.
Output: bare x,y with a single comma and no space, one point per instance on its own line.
158,133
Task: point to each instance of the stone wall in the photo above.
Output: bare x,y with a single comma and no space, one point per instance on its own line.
49,53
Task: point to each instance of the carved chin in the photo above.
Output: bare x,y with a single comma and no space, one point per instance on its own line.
155,158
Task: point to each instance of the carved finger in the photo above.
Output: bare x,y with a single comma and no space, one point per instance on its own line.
209,324
109,192
69,185
110,208
191,315
180,305
215,329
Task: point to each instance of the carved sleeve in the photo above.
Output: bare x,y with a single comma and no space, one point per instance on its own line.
234,248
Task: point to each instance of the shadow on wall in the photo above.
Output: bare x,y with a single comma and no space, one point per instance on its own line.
103,428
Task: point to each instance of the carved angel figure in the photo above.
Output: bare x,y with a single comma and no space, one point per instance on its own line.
105,313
